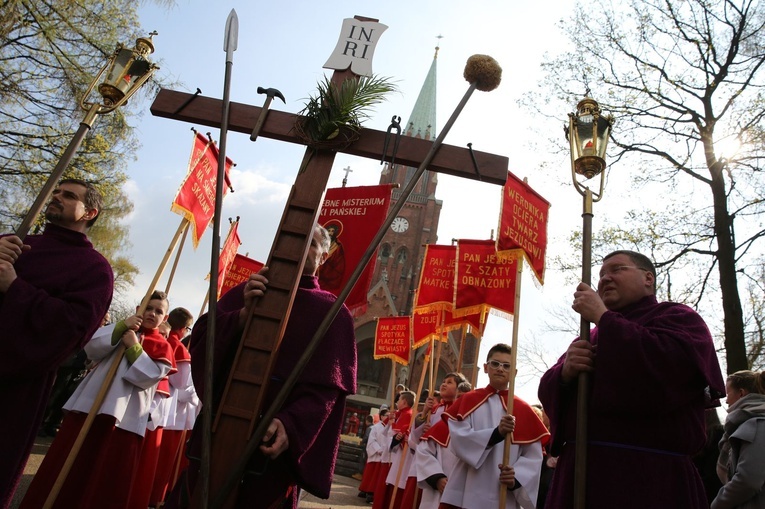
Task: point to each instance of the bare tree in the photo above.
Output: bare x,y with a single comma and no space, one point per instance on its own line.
682,77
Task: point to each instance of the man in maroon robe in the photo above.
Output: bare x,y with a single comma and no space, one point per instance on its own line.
653,370
305,433
54,291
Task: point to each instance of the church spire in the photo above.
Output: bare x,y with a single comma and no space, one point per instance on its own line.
422,121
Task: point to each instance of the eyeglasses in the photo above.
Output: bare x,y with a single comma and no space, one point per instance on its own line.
618,269
496,365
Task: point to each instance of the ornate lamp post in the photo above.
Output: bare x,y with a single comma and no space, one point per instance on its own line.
587,133
126,70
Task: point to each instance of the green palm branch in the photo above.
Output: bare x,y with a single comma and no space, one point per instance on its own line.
333,109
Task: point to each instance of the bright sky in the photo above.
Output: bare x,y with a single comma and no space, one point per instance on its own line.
284,45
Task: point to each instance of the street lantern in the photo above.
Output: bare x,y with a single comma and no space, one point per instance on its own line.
126,70
588,133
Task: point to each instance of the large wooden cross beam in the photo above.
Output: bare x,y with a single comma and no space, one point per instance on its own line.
241,404
279,126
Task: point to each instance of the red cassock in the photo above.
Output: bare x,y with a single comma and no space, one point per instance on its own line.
314,411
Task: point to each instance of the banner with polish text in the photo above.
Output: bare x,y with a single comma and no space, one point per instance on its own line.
523,224
239,271
352,216
227,253
436,288
392,339
195,199
427,326
485,280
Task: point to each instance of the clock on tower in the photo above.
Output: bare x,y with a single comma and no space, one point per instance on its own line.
400,225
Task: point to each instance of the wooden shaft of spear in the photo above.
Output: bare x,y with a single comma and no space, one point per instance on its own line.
99,399
177,258
513,369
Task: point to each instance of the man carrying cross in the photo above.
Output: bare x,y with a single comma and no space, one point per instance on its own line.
300,447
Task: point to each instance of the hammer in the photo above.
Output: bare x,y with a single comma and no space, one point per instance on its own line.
270,94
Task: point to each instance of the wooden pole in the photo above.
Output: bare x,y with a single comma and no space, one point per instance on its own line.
99,399
405,447
44,195
513,370
392,386
177,258
463,339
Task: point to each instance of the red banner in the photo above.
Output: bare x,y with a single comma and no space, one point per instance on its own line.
484,279
227,254
427,326
196,197
436,287
392,339
352,215
239,271
523,223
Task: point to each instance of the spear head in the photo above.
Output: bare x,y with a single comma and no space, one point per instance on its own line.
232,36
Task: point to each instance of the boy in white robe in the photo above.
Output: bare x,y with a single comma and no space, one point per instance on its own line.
477,427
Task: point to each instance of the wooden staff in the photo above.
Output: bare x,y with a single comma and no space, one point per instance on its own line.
405,447
513,361
463,338
177,258
178,461
45,193
99,399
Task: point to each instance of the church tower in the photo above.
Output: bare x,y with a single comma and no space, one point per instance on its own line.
398,263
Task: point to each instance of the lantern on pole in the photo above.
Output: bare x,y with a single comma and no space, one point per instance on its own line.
588,133
126,71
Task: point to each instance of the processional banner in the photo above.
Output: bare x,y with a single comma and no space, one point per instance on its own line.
392,339
195,199
352,216
485,280
523,224
227,254
239,271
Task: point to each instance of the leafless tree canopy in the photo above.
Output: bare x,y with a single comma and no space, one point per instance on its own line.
683,78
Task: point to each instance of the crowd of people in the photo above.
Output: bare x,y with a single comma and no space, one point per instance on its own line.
651,369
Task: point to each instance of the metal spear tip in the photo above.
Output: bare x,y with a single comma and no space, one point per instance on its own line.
232,35
271,93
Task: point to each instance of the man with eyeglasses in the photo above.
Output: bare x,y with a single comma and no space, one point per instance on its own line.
54,291
478,426
653,370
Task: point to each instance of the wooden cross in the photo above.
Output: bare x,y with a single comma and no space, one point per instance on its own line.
241,403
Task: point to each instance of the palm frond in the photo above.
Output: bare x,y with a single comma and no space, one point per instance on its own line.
348,106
